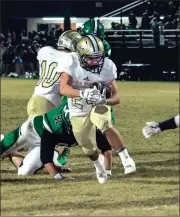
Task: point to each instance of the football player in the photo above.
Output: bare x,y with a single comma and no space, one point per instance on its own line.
46,94
42,133
95,27
88,107
153,128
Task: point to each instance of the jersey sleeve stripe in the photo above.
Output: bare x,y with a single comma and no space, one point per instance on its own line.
47,124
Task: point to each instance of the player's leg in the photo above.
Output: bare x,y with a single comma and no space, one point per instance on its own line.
85,134
31,163
153,128
106,151
38,105
12,142
101,118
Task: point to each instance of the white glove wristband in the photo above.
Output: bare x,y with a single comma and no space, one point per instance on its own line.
58,176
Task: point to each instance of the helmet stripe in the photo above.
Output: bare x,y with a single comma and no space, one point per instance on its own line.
94,43
95,26
97,44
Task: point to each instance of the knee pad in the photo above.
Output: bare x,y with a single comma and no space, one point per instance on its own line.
101,117
88,151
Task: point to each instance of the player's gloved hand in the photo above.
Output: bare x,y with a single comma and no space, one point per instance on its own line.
102,99
90,94
151,128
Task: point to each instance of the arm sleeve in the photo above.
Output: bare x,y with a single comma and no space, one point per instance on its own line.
67,65
114,70
47,147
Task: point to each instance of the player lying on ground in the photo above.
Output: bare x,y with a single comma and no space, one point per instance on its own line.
153,128
42,134
89,109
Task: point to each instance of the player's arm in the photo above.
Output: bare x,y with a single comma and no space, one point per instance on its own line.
115,98
153,128
46,154
66,88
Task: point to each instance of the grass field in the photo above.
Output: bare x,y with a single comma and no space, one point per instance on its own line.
152,191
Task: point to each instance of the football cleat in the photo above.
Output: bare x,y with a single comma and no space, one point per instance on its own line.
151,128
101,177
129,166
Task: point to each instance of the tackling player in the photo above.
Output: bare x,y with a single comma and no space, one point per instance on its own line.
90,65
95,27
42,133
153,128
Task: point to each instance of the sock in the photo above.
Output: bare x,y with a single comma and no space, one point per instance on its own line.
176,120
169,124
98,165
9,140
109,173
123,154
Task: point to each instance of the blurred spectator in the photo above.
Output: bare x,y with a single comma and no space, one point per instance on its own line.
24,38
9,38
169,24
18,61
171,9
145,23
29,60
155,27
7,58
132,21
59,31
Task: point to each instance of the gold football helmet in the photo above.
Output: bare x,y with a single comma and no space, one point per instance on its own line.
91,54
68,40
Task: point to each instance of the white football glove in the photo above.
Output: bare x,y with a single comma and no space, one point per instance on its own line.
151,129
102,99
90,94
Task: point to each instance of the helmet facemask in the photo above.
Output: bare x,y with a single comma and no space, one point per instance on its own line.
92,63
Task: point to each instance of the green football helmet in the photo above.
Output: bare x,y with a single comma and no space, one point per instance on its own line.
93,27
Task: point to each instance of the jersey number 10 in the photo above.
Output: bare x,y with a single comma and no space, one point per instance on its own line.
48,78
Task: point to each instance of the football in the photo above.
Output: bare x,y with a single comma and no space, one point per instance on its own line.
100,86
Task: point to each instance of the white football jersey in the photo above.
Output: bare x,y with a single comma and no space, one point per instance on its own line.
82,80
51,63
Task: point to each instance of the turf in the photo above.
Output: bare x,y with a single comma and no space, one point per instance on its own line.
152,191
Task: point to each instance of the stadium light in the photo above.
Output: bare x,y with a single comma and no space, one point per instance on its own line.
73,18
58,18
111,18
53,18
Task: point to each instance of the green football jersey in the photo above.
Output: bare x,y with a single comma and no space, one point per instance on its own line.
55,121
